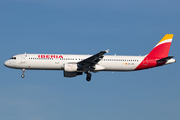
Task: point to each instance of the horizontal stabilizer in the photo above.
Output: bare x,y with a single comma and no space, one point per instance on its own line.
165,59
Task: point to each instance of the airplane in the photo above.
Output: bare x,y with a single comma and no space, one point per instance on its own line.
74,65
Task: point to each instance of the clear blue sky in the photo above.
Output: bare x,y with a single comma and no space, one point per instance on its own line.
87,27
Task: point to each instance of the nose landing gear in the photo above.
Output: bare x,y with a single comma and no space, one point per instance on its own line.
23,73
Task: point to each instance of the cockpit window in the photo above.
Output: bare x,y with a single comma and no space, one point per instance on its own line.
13,58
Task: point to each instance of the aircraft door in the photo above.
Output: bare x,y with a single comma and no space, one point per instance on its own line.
23,58
57,61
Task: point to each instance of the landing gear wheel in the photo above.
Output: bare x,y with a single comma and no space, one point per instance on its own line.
22,76
88,78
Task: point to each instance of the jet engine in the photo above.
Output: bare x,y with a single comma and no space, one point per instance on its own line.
70,70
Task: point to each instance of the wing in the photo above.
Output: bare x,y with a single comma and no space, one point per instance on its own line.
90,62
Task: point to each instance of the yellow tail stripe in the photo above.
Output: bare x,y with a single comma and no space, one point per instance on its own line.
166,37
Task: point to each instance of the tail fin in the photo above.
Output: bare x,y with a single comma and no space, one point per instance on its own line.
162,48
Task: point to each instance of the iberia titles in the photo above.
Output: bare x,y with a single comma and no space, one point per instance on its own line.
50,56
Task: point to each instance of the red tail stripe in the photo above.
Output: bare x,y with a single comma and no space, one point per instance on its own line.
161,50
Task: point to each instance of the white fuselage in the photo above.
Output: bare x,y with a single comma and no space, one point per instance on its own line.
50,62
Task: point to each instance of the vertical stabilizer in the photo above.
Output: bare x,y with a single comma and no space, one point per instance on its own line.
158,55
161,50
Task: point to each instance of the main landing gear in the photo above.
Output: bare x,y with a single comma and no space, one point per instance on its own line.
88,78
23,73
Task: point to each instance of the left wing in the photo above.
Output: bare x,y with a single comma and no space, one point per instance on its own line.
91,61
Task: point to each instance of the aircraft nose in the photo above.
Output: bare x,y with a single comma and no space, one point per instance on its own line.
6,63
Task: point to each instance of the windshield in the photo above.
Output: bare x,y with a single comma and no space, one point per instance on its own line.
13,58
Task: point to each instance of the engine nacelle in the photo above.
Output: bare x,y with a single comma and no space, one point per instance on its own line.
70,70
70,67
72,74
